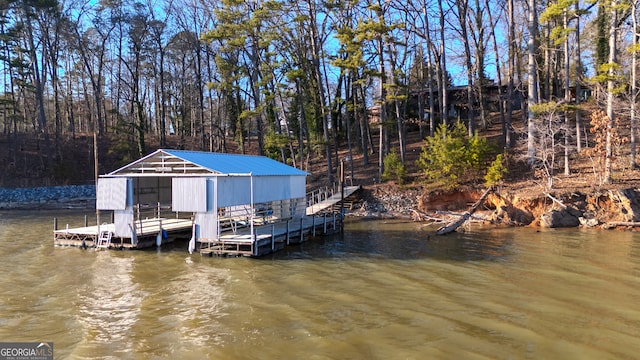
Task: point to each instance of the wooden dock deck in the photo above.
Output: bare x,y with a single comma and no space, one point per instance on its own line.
146,231
321,218
266,238
271,237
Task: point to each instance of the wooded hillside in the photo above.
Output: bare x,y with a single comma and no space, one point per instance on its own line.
302,79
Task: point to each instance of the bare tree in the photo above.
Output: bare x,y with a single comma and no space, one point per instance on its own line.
442,73
511,54
91,44
634,82
506,128
613,37
533,82
463,7
549,125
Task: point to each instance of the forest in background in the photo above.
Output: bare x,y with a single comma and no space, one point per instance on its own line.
302,79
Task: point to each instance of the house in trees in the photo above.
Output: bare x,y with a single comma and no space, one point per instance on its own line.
457,102
458,106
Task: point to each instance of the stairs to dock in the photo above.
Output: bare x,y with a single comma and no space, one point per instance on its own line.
329,200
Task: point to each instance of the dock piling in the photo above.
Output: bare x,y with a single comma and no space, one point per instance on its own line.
301,232
273,237
287,232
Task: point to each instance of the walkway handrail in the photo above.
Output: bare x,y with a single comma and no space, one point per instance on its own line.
328,202
319,195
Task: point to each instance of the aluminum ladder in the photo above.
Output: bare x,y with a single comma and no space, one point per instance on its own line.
104,239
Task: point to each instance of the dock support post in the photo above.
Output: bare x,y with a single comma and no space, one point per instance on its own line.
324,225
301,232
287,232
334,221
313,225
86,221
55,223
273,237
254,242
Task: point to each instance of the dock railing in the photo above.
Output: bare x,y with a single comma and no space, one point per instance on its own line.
319,195
236,217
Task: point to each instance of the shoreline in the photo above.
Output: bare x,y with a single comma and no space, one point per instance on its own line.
48,197
604,208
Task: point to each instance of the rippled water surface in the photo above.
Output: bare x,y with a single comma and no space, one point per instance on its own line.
382,290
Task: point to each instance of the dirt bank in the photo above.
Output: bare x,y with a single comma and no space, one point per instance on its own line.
599,208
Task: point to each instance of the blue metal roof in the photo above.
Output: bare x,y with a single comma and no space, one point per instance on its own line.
236,163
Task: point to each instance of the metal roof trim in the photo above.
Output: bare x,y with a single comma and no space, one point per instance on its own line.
216,163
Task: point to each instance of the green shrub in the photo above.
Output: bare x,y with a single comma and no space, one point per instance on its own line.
450,156
274,143
393,168
496,171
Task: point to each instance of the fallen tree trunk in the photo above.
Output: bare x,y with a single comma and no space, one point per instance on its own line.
556,201
614,224
420,216
450,213
453,226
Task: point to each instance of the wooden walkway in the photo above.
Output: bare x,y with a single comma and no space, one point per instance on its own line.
329,203
271,237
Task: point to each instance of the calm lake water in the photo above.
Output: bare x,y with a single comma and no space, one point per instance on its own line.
382,290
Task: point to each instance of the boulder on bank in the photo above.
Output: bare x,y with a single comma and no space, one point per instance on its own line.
624,204
507,213
561,218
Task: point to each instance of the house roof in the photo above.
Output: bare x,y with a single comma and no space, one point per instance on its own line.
165,162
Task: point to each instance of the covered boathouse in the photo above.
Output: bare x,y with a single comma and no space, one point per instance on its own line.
218,200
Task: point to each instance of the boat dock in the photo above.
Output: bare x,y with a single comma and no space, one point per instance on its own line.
238,237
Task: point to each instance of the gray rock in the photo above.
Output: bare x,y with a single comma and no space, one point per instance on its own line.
39,197
567,217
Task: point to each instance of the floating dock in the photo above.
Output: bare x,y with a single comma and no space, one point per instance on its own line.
147,231
239,239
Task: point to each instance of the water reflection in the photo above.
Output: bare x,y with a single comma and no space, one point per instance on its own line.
381,290
403,240
108,305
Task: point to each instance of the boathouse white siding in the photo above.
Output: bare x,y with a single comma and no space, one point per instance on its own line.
210,187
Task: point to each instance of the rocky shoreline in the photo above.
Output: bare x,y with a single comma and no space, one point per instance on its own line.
48,197
603,208
612,208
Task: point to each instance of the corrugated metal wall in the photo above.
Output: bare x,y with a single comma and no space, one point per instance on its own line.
111,193
207,225
270,188
123,221
298,187
189,194
233,190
